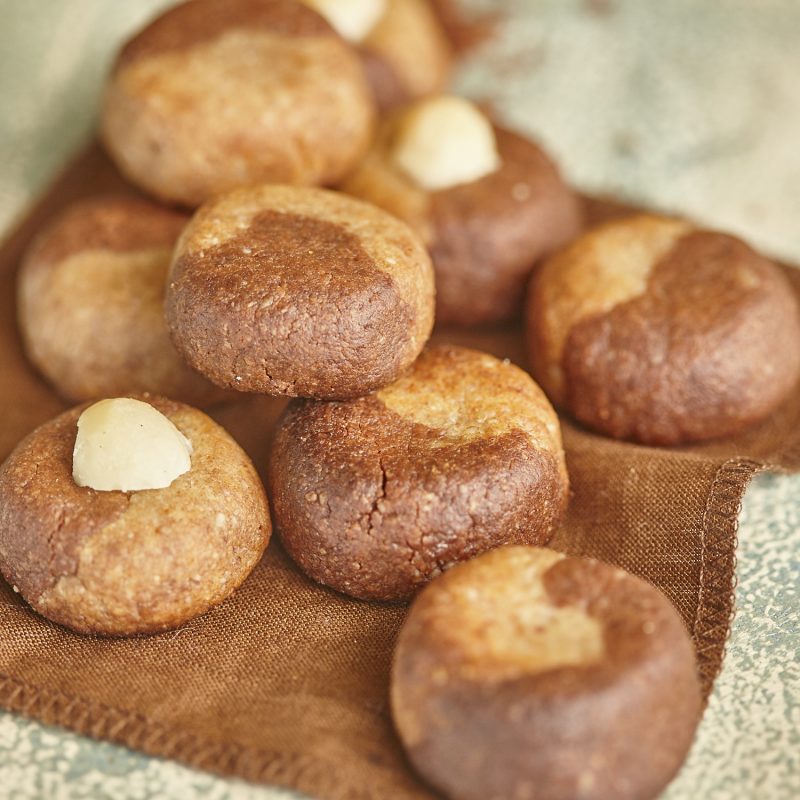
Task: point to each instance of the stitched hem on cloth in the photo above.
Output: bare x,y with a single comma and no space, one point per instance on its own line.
716,605
295,771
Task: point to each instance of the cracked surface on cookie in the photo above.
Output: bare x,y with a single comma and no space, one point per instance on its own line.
375,503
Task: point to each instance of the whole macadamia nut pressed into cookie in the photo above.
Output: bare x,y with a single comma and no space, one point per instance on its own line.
299,291
376,496
488,203
403,45
129,561
527,674
215,94
91,303
650,329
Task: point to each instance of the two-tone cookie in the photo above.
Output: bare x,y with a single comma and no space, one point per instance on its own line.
650,329
129,516
527,674
489,203
300,292
376,496
91,303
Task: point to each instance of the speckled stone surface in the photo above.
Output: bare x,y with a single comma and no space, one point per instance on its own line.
691,105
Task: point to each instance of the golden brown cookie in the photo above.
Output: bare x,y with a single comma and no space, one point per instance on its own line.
376,496
91,303
484,235
527,674
301,292
650,329
403,44
407,55
215,94
124,563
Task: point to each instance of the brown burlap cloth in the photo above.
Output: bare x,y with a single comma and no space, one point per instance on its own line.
286,682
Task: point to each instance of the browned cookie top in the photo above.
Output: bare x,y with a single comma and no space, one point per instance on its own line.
299,292
112,561
113,223
462,454
526,666
199,21
650,329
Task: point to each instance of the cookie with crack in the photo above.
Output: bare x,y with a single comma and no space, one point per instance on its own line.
403,45
526,668
91,303
376,496
300,292
489,203
216,94
650,329
129,516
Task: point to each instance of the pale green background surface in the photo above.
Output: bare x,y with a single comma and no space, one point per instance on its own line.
692,105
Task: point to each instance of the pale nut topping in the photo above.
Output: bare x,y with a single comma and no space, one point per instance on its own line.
445,141
352,19
127,445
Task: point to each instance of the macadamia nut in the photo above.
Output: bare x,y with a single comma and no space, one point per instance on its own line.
445,141
353,19
127,445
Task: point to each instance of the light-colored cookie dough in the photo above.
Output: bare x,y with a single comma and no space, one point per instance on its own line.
91,303
216,94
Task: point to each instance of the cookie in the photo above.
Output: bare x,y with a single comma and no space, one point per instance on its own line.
129,562
527,674
91,303
216,94
403,45
486,228
298,291
652,330
376,496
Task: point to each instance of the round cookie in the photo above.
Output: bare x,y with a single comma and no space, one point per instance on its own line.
298,291
649,329
216,94
404,47
525,673
376,496
484,235
91,303
124,563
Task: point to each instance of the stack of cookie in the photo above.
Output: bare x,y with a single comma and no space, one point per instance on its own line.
521,673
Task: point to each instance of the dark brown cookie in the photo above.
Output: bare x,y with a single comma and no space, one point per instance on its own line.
91,303
485,236
124,563
526,674
651,330
299,292
215,94
376,496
